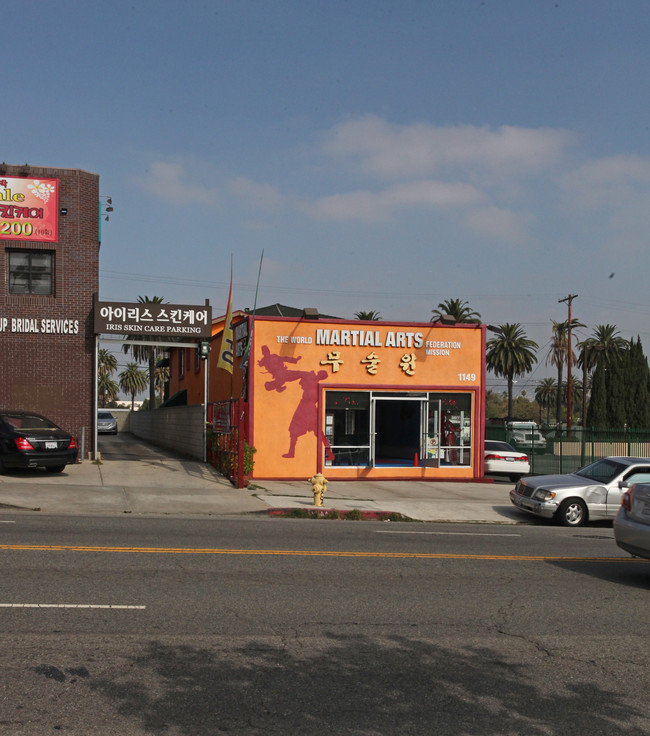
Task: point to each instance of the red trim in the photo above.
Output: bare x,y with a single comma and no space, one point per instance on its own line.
478,393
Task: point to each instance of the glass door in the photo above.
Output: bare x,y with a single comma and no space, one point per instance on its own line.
398,423
433,451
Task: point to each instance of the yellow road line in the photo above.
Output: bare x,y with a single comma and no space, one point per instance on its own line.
306,553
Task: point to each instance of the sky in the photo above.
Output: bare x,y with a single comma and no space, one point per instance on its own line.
382,155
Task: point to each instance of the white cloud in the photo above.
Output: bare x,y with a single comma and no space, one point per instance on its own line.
404,151
497,224
611,181
380,206
172,183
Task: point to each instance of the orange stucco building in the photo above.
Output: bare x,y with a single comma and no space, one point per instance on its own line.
352,399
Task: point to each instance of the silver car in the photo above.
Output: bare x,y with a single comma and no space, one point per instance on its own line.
594,492
632,523
106,422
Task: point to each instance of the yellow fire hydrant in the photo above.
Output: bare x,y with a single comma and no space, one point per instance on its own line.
318,486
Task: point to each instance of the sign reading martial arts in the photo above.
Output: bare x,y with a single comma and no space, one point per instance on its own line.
151,319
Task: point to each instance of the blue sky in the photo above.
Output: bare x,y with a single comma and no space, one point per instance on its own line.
385,155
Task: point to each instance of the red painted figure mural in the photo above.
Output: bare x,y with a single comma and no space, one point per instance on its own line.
305,417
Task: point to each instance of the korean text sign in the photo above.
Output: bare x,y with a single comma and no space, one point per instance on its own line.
29,209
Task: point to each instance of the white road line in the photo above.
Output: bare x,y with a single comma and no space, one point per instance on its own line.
71,605
6,522
452,534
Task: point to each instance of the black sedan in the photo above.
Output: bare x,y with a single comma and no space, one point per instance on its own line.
30,440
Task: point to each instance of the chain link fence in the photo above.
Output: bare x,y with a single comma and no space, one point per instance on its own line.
566,452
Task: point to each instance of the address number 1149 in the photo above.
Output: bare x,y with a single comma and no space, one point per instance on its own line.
467,376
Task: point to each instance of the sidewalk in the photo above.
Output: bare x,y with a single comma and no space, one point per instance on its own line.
159,484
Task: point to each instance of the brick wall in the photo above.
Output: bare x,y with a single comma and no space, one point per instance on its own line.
53,373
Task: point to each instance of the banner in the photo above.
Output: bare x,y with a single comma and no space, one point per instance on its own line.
29,209
227,339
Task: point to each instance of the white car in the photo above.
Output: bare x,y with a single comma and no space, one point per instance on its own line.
500,458
632,522
591,493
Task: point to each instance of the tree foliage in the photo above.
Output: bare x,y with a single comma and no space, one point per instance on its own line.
545,395
133,381
620,392
371,316
458,309
147,353
107,388
510,354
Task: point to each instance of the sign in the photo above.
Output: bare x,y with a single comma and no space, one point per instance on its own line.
385,354
25,325
151,319
29,209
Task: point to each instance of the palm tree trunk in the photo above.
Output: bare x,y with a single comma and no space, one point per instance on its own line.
510,382
152,382
558,401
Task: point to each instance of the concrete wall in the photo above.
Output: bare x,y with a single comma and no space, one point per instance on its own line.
177,428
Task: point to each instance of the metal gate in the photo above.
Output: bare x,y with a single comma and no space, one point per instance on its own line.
227,449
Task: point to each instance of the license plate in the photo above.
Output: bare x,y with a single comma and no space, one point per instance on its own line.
645,511
51,445
510,459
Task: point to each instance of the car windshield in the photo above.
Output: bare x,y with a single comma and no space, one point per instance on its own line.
602,471
105,415
28,421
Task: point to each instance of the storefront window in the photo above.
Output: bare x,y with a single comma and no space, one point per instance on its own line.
347,427
30,272
398,429
449,436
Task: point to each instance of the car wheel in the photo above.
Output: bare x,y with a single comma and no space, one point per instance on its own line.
572,512
56,468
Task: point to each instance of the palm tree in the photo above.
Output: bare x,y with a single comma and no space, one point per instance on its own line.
458,309
510,354
107,389
161,377
142,353
371,316
106,363
133,380
605,344
545,394
558,356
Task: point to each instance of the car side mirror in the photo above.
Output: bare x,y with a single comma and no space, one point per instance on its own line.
623,485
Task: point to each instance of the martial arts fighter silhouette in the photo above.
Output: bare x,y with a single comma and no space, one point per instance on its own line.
305,417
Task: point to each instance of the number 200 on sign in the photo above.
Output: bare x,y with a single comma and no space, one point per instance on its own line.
16,228
467,376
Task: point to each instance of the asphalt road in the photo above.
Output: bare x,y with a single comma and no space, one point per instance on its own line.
275,626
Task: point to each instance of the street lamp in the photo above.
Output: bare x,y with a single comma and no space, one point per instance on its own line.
105,208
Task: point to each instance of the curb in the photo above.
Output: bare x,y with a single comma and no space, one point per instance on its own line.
329,513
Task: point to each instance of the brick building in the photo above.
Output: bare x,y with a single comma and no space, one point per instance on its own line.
49,273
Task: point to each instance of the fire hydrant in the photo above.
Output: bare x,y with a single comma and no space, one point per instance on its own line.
318,486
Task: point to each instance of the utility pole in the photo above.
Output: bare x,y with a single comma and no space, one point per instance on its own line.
569,387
